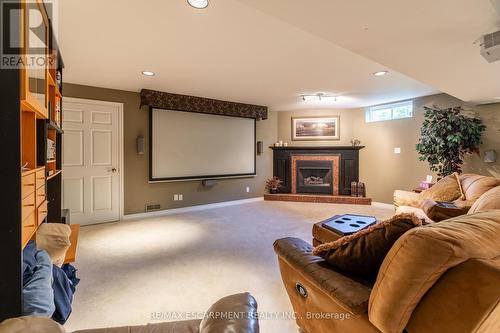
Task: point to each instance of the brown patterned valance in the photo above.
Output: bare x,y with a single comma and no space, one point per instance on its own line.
168,101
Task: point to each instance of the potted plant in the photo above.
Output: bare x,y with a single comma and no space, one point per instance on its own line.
273,184
446,136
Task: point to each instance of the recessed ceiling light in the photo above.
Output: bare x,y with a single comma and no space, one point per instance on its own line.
381,73
148,73
199,4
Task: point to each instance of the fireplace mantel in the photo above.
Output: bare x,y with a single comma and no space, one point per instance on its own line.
348,166
317,148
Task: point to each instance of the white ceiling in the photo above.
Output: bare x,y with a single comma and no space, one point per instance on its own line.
269,52
428,40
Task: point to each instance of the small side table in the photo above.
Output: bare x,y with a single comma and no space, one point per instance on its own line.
420,188
321,235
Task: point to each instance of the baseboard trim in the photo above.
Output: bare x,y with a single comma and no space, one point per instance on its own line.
190,208
382,205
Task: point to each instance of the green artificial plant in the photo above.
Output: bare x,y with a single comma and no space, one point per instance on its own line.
446,136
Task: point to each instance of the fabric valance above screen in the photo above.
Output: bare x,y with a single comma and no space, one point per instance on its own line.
169,101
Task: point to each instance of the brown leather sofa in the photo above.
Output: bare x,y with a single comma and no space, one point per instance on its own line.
234,314
474,187
438,278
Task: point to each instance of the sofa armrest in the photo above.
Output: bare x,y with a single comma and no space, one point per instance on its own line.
407,198
350,294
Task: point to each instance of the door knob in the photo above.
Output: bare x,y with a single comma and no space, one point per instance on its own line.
113,170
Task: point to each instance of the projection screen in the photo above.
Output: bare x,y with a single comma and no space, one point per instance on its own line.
188,145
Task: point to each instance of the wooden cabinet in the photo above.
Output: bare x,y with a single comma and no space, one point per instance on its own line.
31,113
33,203
28,206
42,212
40,195
27,184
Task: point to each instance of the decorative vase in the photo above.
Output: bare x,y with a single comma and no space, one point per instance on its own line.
273,191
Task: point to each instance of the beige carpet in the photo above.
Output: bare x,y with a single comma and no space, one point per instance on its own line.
180,264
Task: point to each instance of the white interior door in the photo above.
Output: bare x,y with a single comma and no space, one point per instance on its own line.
91,178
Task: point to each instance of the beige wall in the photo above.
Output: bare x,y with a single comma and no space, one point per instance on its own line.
139,193
491,140
380,169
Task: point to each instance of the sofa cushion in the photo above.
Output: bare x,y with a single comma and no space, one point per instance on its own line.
54,238
488,201
235,313
475,185
30,324
362,253
462,300
446,189
421,256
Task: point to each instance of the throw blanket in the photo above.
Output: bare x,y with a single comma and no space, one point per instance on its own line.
63,295
47,289
38,296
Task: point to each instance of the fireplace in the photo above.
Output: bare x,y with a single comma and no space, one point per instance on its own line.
315,174
314,177
315,169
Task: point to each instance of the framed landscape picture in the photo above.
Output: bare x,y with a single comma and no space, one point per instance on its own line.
315,128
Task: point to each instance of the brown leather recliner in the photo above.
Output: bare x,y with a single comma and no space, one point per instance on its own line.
235,314
438,278
474,187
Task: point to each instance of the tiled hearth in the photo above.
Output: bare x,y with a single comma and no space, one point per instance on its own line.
338,199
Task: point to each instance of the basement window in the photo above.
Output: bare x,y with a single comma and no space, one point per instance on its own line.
390,111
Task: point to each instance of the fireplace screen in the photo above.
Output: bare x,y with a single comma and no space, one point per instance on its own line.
314,177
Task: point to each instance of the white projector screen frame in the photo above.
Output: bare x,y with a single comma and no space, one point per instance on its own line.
170,139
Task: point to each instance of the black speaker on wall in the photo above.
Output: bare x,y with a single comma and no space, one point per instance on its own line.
260,147
140,145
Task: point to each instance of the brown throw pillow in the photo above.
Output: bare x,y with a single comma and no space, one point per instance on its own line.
446,189
362,253
437,212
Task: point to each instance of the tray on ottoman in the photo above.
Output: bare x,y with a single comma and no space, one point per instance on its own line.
348,224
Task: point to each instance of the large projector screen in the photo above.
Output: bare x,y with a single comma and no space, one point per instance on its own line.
188,145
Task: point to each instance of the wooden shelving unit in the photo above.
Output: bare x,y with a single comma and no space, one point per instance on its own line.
38,160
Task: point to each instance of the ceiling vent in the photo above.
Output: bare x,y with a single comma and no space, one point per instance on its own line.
490,46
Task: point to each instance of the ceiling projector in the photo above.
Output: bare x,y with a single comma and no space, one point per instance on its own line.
490,46
490,43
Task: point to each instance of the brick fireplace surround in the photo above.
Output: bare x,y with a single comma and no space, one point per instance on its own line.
345,169
335,159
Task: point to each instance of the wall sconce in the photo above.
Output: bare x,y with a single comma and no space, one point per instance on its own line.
140,145
490,156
